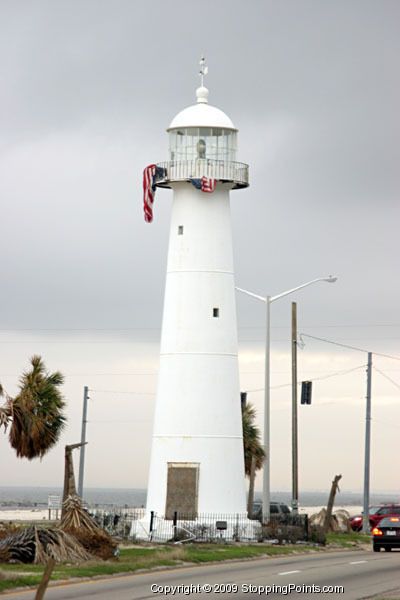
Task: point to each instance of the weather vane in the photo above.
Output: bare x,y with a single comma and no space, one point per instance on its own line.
203,70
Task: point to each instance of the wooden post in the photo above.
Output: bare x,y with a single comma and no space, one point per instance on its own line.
295,458
69,476
83,442
366,526
334,488
45,579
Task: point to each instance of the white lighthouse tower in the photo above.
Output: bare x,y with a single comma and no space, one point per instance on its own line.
197,462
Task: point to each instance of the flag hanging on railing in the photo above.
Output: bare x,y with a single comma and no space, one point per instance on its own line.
150,175
205,184
149,190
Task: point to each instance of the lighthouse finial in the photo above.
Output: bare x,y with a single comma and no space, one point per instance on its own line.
203,70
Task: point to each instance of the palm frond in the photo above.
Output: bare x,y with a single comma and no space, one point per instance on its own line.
38,418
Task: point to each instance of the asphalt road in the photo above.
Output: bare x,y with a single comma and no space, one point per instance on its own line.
361,573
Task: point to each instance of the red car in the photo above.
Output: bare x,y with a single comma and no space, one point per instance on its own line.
376,514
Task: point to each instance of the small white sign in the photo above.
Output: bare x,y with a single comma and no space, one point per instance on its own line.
54,502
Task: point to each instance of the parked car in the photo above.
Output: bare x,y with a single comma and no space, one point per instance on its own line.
376,514
387,534
278,510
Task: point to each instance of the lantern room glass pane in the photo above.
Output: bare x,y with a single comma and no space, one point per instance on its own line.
201,143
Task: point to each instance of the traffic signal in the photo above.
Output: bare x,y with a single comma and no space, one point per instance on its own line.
243,399
306,389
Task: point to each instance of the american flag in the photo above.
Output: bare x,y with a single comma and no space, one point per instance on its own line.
150,174
205,184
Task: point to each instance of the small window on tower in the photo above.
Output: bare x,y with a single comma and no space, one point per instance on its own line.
215,312
180,229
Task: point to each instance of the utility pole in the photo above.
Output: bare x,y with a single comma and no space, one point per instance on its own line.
295,473
83,441
366,526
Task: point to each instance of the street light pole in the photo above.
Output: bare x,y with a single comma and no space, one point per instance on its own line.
266,467
266,498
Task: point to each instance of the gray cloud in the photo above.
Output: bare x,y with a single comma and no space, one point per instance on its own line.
88,90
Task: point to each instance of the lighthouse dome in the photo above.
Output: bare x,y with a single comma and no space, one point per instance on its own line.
202,114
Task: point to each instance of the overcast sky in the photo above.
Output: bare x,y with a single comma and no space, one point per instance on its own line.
87,91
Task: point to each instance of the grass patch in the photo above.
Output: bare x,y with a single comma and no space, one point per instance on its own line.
207,553
134,559
11,583
348,540
145,557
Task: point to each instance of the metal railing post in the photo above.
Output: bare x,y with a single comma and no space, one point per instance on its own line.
175,522
151,521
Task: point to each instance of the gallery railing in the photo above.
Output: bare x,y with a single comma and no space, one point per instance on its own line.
184,170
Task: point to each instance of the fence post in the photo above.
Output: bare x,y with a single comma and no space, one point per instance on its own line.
175,521
235,536
151,521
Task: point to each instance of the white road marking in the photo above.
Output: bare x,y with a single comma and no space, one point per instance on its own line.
358,562
288,572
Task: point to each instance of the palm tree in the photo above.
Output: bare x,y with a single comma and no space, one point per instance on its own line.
254,454
35,416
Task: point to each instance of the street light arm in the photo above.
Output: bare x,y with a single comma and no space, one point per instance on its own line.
330,279
251,294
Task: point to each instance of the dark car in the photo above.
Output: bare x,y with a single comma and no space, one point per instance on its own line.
278,510
386,534
376,514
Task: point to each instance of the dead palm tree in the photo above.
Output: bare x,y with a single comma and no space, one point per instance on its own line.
35,416
254,454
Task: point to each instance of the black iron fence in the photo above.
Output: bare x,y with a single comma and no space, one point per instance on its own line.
212,527
136,523
117,521
202,527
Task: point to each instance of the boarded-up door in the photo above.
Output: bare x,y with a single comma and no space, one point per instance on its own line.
182,489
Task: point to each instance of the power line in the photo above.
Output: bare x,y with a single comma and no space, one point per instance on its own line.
262,340
155,373
96,421
385,423
122,392
80,342
260,327
388,378
347,346
330,342
343,372
156,341
335,374
92,374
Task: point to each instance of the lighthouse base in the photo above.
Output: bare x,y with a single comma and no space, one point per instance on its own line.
202,528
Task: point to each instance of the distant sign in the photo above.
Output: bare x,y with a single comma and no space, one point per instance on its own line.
54,502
